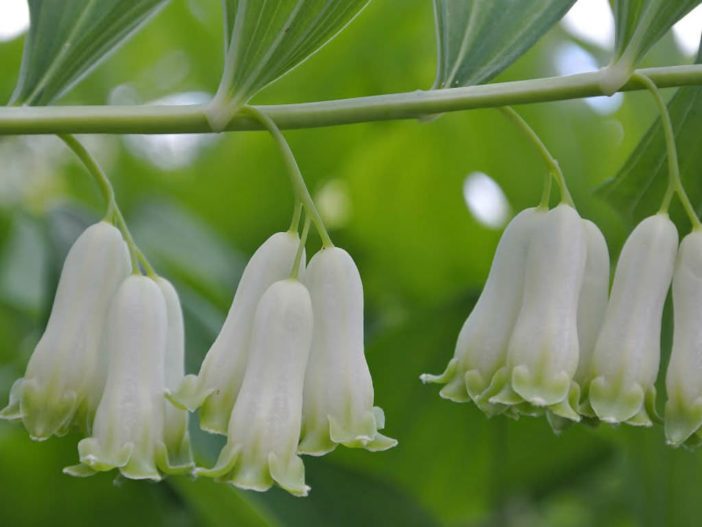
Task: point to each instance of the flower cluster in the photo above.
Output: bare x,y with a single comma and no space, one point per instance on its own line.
287,374
547,336
113,344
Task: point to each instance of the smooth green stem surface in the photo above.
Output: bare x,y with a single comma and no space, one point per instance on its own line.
295,272
297,214
674,182
409,105
554,169
298,182
113,211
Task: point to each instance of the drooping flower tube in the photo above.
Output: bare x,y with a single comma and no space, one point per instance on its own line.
215,388
542,355
481,349
264,429
66,373
627,353
593,299
338,395
175,426
683,410
128,432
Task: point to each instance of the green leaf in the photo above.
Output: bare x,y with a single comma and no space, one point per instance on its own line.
639,24
68,38
477,39
267,38
637,189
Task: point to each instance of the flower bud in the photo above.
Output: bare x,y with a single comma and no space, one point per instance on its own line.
481,349
683,410
593,299
175,426
264,428
542,354
129,422
627,353
338,395
216,387
65,375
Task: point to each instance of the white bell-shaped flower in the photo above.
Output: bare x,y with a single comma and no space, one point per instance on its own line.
338,396
128,432
264,428
542,354
627,353
175,426
215,388
593,299
481,349
66,373
683,410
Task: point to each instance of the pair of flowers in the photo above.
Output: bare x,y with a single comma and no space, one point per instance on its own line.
545,336
113,343
287,374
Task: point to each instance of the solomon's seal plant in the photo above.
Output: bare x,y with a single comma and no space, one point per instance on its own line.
287,374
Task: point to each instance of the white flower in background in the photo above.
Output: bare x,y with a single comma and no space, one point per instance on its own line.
65,375
338,395
216,387
683,410
264,429
128,432
593,299
627,353
542,354
175,426
481,349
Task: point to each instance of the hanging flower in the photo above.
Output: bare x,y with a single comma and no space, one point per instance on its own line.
481,349
175,426
215,388
683,410
593,299
65,375
542,355
264,429
627,353
338,395
128,432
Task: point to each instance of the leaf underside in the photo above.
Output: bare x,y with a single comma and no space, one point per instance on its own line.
477,39
68,38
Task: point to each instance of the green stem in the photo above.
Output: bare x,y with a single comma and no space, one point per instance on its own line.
554,169
674,182
108,192
410,105
298,183
297,214
295,272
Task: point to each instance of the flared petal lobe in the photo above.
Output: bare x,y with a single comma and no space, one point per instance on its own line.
543,350
66,373
264,429
683,410
481,349
175,426
129,422
216,387
627,353
338,394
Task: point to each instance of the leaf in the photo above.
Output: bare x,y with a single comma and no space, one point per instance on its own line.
477,39
639,24
638,188
267,38
68,38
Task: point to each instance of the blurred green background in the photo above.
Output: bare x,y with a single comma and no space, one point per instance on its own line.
393,194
